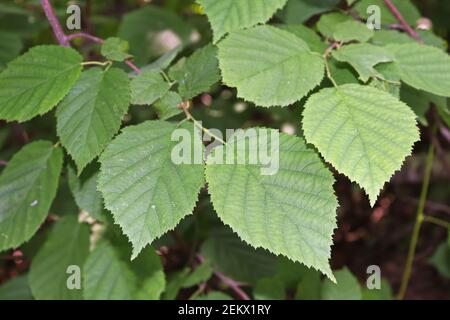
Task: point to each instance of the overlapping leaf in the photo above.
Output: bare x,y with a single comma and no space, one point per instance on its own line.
91,114
145,190
363,57
147,87
27,188
269,66
36,81
423,67
291,212
230,15
363,132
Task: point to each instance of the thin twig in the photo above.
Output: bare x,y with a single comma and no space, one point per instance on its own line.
419,220
232,284
436,221
56,26
402,20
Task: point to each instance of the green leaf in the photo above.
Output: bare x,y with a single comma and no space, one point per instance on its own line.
146,192
231,15
327,23
109,275
407,9
66,246
384,37
16,289
384,293
423,67
89,117
197,73
167,106
352,31
115,49
441,260
86,195
233,257
309,287
291,212
201,274
23,204
363,57
10,47
269,66
36,81
299,11
269,289
147,87
345,288
363,132
306,34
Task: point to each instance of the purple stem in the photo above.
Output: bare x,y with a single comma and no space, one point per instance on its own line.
57,29
232,284
402,20
84,35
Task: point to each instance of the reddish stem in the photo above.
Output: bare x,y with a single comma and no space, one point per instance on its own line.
57,29
402,20
232,284
86,36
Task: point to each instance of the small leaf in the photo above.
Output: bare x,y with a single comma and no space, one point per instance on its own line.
231,15
197,73
10,47
363,132
147,193
36,81
66,246
352,31
363,57
291,212
167,106
147,87
23,204
109,275
269,66
115,49
328,22
91,114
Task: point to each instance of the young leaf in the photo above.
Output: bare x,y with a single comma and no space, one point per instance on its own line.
109,275
23,204
91,114
327,23
231,15
167,106
299,11
423,67
147,193
147,87
36,81
363,57
197,73
67,246
352,31
363,132
115,49
269,66
292,212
